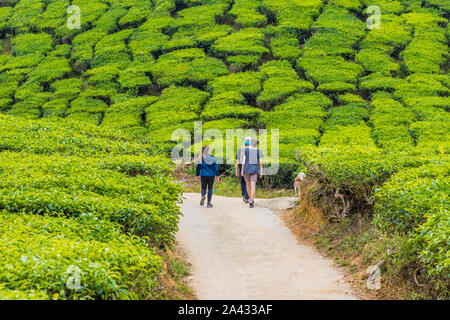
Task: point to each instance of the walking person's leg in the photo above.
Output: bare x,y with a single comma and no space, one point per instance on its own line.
204,184
248,185
210,190
253,179
244,189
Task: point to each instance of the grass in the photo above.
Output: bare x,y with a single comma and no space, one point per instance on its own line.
355,244
173,279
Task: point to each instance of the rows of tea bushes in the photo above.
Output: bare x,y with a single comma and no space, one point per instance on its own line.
82,209
392,151
364,110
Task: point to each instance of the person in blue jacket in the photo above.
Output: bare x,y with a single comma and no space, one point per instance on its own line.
207,170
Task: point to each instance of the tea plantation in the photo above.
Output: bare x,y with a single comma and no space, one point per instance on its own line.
88,115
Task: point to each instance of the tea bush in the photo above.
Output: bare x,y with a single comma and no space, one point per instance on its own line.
247,13
403,201
358,108
47,251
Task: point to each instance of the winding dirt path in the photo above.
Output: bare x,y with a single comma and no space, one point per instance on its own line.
241,253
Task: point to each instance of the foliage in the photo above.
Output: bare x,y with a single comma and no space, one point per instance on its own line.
359,108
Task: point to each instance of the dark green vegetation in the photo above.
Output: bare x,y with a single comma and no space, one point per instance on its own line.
77,197
366,109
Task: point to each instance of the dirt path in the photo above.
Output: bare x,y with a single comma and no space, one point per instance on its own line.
242,253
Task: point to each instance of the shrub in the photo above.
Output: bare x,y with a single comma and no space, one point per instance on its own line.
374,60
134,78
5,14
49,70
427,52
32,43
285,47
293,17
430,242
391,38
247,13
127,114
378,81
281,81
67,88
323,68
249,41
136,14
24,14
54,15
55,107
192,66
244,82
216,110
88,105
346,115
402,202
349,135
43,252
353,99
226,123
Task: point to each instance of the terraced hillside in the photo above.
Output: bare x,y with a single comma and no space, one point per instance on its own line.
81,210
365,111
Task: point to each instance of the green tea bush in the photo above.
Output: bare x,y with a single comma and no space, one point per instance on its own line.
427,52
225,124
217,109
285,48
429,131
299,111
136,14
87,105
430,242
55,107
24,15
391,38
248,83
83,48
108,22
346,115
420,85
54,15
67,88
348,135
292,16
323,68
374,101
247,13
352,99
281,81
402,202
127,114
134,78
191,67
352,169
50,69
32,43
62,185
374,60
44,252
249,41
5,14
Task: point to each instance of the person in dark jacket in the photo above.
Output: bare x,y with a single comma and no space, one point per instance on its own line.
252,169
239,162
207,170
